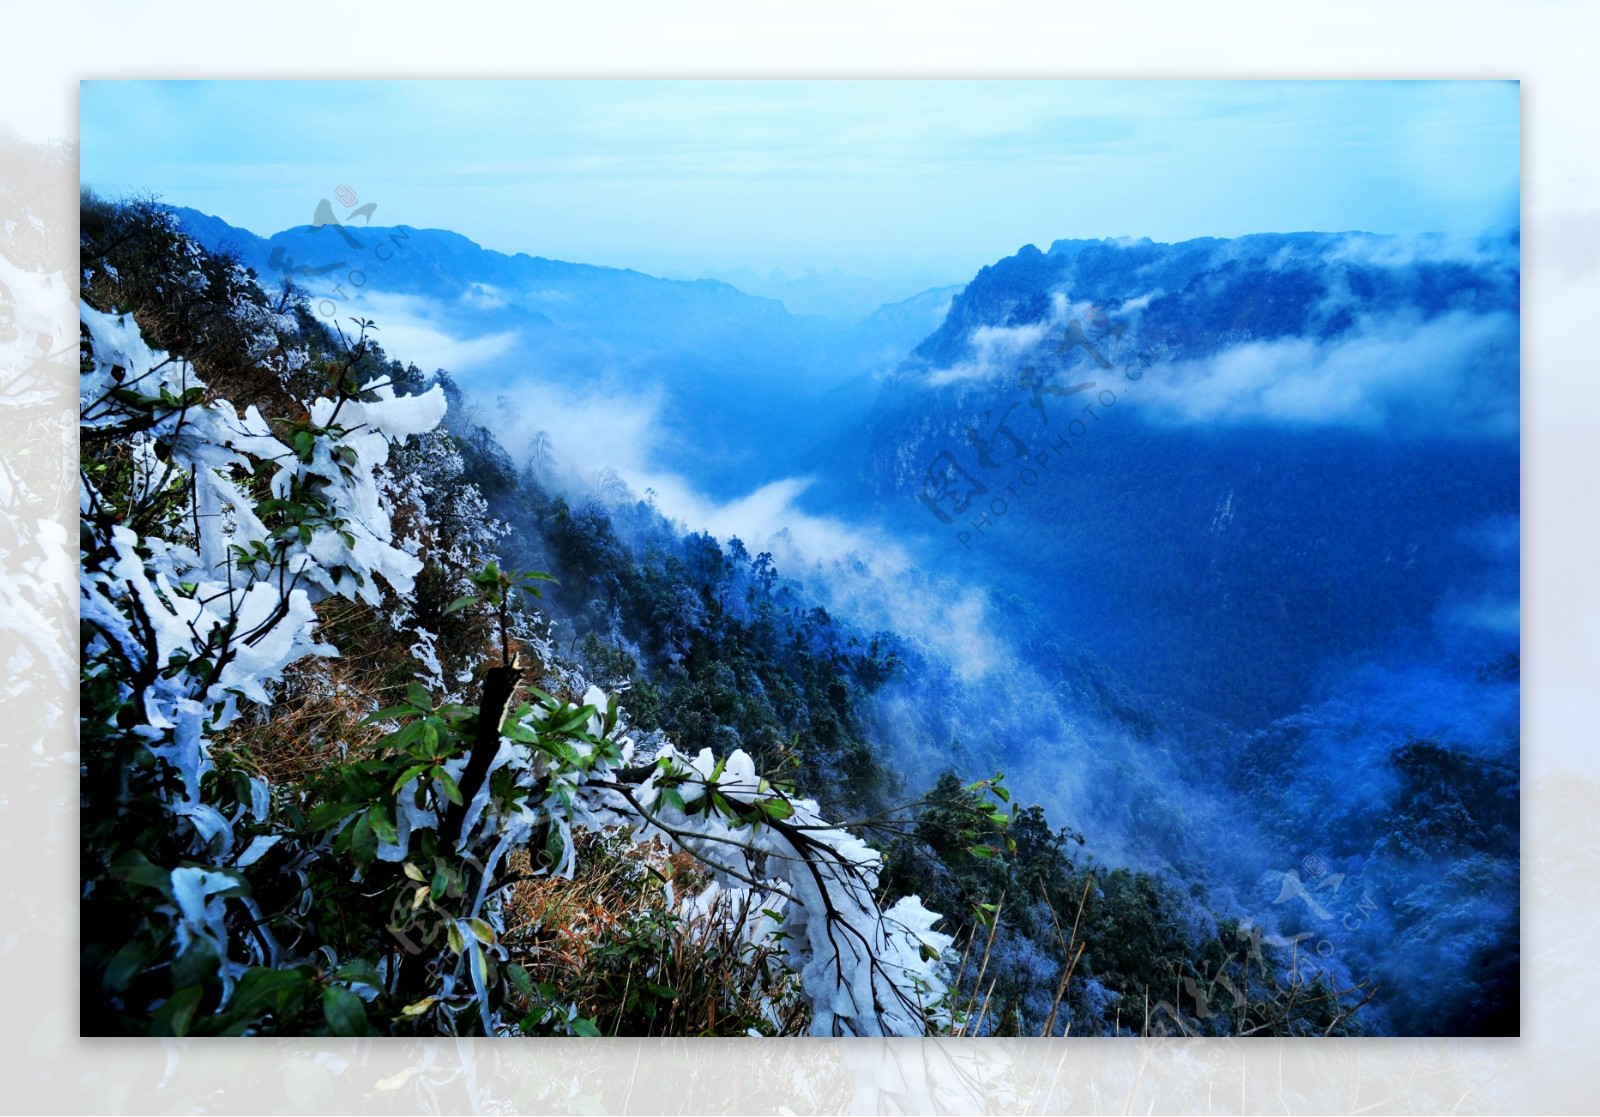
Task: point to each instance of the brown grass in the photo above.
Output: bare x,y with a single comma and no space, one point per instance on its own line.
609,942
320,705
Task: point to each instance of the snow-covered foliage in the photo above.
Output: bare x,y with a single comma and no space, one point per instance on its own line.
864,970
448,517
372,899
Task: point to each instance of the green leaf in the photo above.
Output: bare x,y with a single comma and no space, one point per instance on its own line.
583,1026
407,776
127,963
484,932
135,868
364,842
133,398
177,1012
388,714
358,783
555,846
408,735
517,731
777,808
519,979
453,935
452,791
548,701
460,603
360,970
330,814
345,1013
578,716
418,696
262,990
382,826
984,852
197,965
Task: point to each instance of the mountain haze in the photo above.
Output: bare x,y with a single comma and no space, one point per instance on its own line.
1212,546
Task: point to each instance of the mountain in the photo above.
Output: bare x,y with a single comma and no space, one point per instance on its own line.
1271,486
1311,471
1225,464
833,293
1214,554
756,384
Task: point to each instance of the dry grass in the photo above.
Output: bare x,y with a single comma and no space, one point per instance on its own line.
318,714
312,727
610,942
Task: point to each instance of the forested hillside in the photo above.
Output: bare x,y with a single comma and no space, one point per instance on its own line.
1258,503
386,732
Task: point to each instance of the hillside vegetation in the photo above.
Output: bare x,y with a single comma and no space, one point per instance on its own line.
385,733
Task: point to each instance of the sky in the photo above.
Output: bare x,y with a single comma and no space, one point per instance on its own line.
929,179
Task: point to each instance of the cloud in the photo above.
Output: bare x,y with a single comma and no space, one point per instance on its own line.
1452,374
998,351
857,569
484,296
1499,616
415,329
1401,250
953,622
1499,538
591,433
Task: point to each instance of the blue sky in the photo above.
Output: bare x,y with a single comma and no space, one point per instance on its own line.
878,178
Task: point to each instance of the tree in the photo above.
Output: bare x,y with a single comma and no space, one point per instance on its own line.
370,899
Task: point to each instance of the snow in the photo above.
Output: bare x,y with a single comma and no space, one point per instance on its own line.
241,599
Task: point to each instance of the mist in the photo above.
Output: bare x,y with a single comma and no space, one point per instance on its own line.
1253,629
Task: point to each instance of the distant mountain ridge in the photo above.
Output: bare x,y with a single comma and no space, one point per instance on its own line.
1269,532
757,382
1245,457
1211,292
833,293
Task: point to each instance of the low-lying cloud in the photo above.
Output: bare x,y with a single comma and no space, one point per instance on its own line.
855,568
1452,374
419,331
998,350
